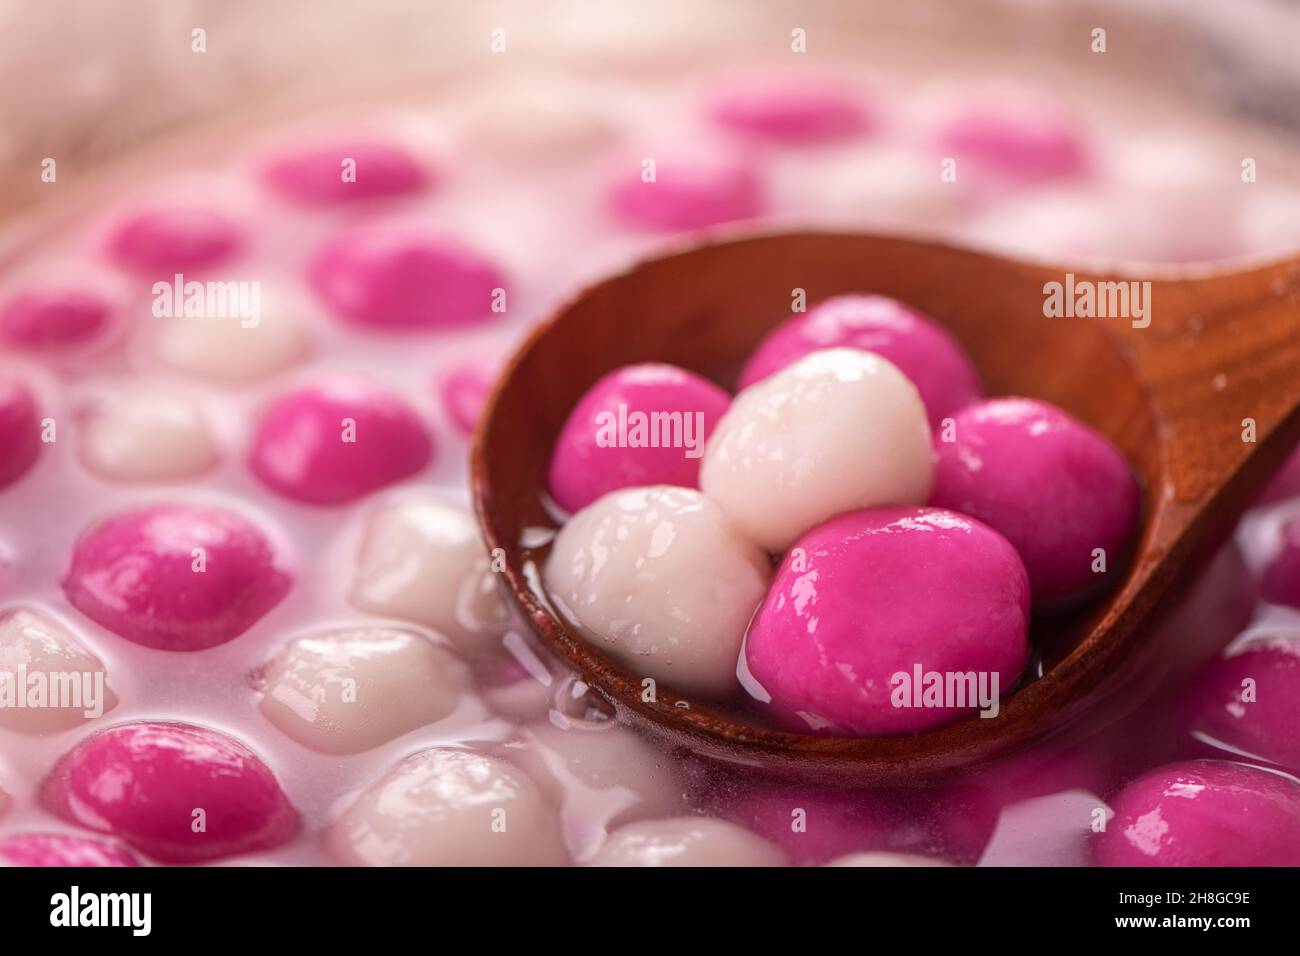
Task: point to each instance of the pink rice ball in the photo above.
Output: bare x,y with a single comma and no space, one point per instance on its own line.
175,577
464,393
1204,813
345,171
48,319
1280,582
334,441
60,849
639,425
1249,701
400,279
923,351
1026,142
20,430
685,193
867,608
1055,488
158,242
153,783
791,111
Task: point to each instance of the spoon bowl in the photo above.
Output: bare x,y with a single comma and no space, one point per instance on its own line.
1173,389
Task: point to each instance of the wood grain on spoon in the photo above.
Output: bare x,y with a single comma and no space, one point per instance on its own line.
1220,348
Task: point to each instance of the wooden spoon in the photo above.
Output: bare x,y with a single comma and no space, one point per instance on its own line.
1175,396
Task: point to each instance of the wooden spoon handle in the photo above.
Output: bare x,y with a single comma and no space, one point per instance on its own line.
1221,356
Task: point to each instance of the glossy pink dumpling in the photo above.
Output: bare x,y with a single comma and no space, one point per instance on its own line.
867,602
401,279
686,193
1026,142
607,441
1204,813
464,392
1280,582
53,318
59,849
176,792
791,110
1054,487
923,351
20,430
332,442
345,171
1248,701
162,241
175,577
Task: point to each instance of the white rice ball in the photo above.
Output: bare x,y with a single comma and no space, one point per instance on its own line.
838,430
659,579
348,690
687,841
422,560
444,807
